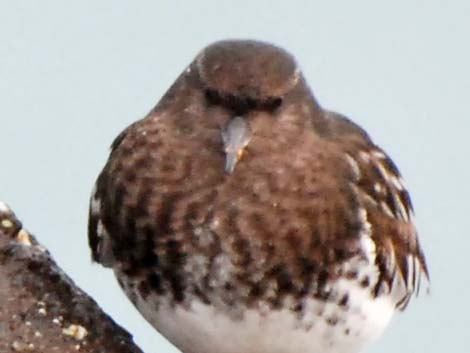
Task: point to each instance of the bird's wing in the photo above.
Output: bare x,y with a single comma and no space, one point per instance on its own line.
380,189
98,235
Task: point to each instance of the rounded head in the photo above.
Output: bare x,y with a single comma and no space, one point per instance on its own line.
250,69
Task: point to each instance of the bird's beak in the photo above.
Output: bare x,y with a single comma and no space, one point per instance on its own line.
231,160
236,136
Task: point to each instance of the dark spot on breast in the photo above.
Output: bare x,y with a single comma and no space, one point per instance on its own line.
322,294
167,167
142,163
307,271
241,247
155,283
365,282
129,176
322,278
164,214
298,307
332,320
316,239
339,254
149,258
144,289
201,295
351,274
307,266
176,283
256,291
282,277
343,302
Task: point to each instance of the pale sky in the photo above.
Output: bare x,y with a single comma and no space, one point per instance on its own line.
74,74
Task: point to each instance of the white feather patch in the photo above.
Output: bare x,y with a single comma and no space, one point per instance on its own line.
95,202
204,328
104,249
354,166
367,244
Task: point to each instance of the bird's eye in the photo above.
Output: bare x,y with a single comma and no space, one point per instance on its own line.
241,104
212,96
274,103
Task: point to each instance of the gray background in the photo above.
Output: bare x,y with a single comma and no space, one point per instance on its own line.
74,74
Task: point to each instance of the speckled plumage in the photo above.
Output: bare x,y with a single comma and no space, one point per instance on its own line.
289,225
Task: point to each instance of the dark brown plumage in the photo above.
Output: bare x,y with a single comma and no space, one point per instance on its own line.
239,191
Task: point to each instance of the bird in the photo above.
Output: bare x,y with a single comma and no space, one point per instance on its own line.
240,216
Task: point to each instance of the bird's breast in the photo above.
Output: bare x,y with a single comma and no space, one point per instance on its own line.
280,226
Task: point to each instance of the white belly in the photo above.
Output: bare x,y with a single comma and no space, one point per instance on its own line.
322,328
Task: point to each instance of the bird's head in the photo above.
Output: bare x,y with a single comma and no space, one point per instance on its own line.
243,76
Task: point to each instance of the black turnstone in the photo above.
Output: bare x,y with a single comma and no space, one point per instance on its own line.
239,216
